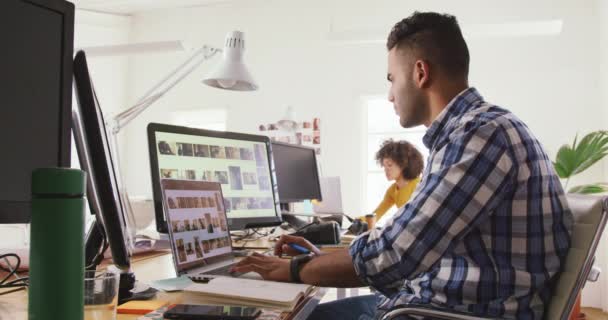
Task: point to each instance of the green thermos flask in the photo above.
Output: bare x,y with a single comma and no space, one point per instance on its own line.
57,245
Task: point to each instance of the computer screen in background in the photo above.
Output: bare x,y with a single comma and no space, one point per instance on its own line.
239,162
332,196
297,173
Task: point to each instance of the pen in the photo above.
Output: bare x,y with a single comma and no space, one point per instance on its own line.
298,248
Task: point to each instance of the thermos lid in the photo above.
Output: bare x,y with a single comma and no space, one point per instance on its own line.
58,181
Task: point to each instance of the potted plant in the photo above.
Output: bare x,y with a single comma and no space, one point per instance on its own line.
578,157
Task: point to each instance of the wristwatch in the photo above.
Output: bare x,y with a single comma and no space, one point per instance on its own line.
295,266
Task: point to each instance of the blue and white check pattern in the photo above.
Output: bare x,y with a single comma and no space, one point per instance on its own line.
487,228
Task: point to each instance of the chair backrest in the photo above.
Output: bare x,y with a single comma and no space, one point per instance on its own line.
589,213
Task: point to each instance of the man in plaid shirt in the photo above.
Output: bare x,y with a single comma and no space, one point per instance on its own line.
488,228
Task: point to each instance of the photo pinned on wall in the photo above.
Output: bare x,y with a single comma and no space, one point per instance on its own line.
316,137
306,133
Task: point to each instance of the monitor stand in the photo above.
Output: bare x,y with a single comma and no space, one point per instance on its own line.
94,251
294,221
290,217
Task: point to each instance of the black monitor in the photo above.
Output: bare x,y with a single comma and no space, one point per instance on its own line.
297,173
35,96
102,186
241,163
96,159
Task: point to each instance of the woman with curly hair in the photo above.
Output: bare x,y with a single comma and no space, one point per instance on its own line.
402,163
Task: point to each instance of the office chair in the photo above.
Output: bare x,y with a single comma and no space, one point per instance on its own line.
589,213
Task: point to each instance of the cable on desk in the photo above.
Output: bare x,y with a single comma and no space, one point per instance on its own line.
250,233
12,271
99,256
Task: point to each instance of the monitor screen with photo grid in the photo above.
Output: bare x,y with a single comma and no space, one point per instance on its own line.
241,163
196,216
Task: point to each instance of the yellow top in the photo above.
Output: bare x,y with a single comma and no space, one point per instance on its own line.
396,196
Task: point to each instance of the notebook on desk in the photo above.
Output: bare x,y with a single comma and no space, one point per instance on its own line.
198,229
259,293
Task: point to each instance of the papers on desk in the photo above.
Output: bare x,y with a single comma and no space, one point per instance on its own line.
171,284
259,293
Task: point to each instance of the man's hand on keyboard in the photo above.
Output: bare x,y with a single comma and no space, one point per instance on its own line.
270,268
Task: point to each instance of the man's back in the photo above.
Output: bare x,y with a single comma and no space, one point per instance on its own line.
488,226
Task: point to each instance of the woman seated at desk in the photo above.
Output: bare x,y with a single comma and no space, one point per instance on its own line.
402,163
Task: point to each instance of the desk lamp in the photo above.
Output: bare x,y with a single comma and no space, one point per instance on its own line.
230,74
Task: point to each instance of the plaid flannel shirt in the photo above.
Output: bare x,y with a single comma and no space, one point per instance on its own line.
487,228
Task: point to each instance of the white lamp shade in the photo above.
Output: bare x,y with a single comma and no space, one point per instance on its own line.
231,73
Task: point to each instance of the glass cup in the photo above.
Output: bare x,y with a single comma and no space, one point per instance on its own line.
100,295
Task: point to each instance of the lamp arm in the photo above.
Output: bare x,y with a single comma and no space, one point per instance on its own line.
123,118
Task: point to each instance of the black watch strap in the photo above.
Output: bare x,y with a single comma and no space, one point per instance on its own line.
296,265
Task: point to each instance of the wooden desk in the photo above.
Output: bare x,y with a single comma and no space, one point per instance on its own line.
146,268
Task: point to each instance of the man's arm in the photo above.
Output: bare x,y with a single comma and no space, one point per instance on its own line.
334,269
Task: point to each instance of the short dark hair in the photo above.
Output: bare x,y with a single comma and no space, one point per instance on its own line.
436,36
404,154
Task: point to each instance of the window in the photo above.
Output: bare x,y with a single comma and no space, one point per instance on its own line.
383,124
210,119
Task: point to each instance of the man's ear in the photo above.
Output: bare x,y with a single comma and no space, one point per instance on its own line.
422,76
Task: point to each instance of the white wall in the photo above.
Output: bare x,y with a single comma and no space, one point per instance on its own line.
551,82
109,74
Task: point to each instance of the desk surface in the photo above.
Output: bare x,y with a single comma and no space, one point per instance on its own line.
146,268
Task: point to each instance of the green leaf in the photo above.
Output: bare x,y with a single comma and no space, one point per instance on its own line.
589,188
581,155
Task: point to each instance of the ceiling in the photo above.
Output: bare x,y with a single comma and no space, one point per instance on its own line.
128,7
